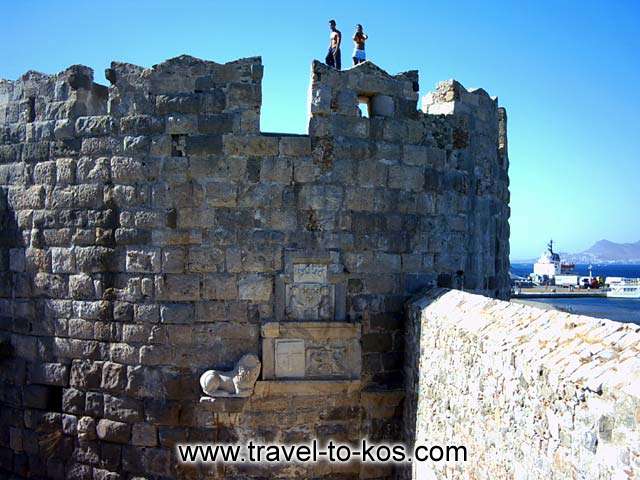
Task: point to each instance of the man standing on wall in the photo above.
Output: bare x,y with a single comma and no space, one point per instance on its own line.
335,38
358,39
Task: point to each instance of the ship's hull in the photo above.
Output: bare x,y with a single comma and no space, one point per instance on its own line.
622,291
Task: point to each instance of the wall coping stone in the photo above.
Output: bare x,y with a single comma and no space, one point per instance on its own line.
305,388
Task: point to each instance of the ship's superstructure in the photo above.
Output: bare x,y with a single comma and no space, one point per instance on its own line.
549,264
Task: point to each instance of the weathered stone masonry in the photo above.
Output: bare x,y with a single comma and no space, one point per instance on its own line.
150,232
531,393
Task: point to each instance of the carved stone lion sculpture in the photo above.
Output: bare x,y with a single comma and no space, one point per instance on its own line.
238,382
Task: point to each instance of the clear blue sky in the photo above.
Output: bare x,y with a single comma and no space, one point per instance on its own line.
568,73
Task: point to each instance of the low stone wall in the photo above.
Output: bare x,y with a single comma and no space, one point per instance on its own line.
530,393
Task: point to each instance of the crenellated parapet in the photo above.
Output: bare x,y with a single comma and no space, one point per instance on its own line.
193,91
39,107
152,233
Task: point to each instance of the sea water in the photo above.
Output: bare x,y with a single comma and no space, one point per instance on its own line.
619,309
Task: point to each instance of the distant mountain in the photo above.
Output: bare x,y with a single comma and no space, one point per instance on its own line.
606,251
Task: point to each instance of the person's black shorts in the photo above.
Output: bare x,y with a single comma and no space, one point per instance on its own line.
333,58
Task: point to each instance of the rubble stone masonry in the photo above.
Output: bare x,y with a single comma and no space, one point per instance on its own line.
531,393
151,231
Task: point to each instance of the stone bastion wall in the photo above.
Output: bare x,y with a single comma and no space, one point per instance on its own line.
531,393
150,232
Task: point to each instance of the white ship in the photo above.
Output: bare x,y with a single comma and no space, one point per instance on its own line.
628,288
549,265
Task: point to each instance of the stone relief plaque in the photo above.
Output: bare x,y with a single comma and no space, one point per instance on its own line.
327,361
311,338
311,288
309,273
309,301
289,358
311,350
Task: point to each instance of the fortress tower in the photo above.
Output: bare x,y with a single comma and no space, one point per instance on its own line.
152,232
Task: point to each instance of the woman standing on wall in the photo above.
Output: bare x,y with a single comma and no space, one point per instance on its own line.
359,38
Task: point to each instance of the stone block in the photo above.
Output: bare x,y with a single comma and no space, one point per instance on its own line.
26,198
205,259
321,100
220,194
63,260
111,431
94,126
144,382
276,169
177,287
73,401
200,145
94,404
147,313
65,171
173,260
295,146
49,374
382,105
37,396
143,260
37,260
215,124
181,124
50,286
142,124
122,409
85,374
243,95
69,424
257,288
213,101
81,286
113,377
177,313
319,197
44,173
93,170
220,286
183,103
296,388
156,355
86,429
94,259
251,145
17,260
127,170
258,195
122,311
102,474
416,155
123,353
144,435
136,145
126,195
406,178
309,273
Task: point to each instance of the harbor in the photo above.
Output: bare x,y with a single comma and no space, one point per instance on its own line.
603,290
558,292
553,278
